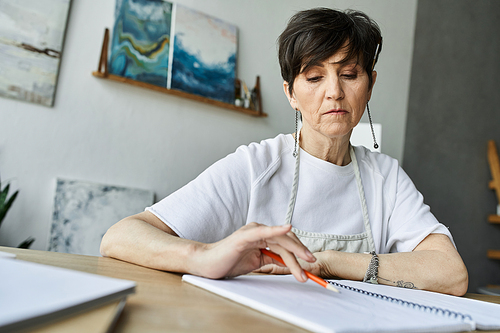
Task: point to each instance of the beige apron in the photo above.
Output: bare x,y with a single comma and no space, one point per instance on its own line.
316,242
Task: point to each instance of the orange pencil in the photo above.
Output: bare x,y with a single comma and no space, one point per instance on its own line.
311,276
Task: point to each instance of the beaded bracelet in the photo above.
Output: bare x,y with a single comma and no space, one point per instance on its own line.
371,275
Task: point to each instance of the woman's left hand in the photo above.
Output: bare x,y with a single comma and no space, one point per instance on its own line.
434,265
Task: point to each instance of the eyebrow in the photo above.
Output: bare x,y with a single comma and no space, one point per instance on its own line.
351,61
343,62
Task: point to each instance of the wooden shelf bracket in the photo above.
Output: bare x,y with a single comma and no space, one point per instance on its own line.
494,162
494,184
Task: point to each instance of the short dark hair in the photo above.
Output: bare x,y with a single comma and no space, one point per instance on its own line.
314,35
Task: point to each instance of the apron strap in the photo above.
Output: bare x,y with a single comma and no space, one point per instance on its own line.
362,198
295,186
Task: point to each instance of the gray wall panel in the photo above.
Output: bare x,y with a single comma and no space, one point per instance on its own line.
454,109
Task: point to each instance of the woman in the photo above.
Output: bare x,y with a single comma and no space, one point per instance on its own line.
306,193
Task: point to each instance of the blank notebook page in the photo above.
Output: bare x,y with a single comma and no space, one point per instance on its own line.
315,308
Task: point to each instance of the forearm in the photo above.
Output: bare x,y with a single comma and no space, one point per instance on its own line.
139,242
432,270
145,240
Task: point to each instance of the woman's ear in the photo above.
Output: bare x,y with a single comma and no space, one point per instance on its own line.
291,99
374,78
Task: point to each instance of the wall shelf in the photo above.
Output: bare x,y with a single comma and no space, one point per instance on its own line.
493,218
102,72
494,254
179,94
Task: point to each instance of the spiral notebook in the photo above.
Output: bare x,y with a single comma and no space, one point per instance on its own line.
359,307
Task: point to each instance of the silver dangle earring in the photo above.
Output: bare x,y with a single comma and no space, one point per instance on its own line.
375,144
295,151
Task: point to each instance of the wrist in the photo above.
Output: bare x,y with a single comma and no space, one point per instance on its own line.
371,275
327,264
196,258
345,265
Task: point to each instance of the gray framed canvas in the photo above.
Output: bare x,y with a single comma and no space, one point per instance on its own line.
84,211
31,41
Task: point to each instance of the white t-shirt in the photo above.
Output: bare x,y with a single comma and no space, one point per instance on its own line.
254,184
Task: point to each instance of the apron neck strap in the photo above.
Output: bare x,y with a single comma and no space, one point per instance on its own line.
361,191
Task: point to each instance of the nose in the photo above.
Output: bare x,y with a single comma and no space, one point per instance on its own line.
334,89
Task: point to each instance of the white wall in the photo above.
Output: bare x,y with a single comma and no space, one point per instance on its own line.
107,132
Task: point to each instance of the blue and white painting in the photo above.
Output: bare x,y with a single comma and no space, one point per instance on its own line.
140,43
84,211
204,55
31,41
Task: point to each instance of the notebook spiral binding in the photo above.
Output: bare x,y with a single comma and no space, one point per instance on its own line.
431,309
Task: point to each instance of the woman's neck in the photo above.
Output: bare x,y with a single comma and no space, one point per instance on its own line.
333,150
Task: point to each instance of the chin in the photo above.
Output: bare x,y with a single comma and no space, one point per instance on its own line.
339,132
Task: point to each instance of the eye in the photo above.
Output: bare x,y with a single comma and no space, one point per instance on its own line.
350,76
314,79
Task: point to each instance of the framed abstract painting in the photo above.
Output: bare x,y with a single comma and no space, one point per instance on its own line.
140,44
175,47
204,55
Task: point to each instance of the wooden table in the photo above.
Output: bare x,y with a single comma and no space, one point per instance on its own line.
163,303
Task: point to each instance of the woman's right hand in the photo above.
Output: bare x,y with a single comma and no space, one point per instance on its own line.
240,253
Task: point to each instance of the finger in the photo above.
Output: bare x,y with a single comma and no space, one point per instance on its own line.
267,260
258,235
264,269
278,235
254,232
273,269
310,257
291,243
292,235
291,262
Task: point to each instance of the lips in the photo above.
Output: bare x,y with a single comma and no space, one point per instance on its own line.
337,111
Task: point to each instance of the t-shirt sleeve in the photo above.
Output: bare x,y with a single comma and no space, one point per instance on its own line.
411,219
213,205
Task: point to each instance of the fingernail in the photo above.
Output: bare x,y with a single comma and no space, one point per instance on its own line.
304,276
310,255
